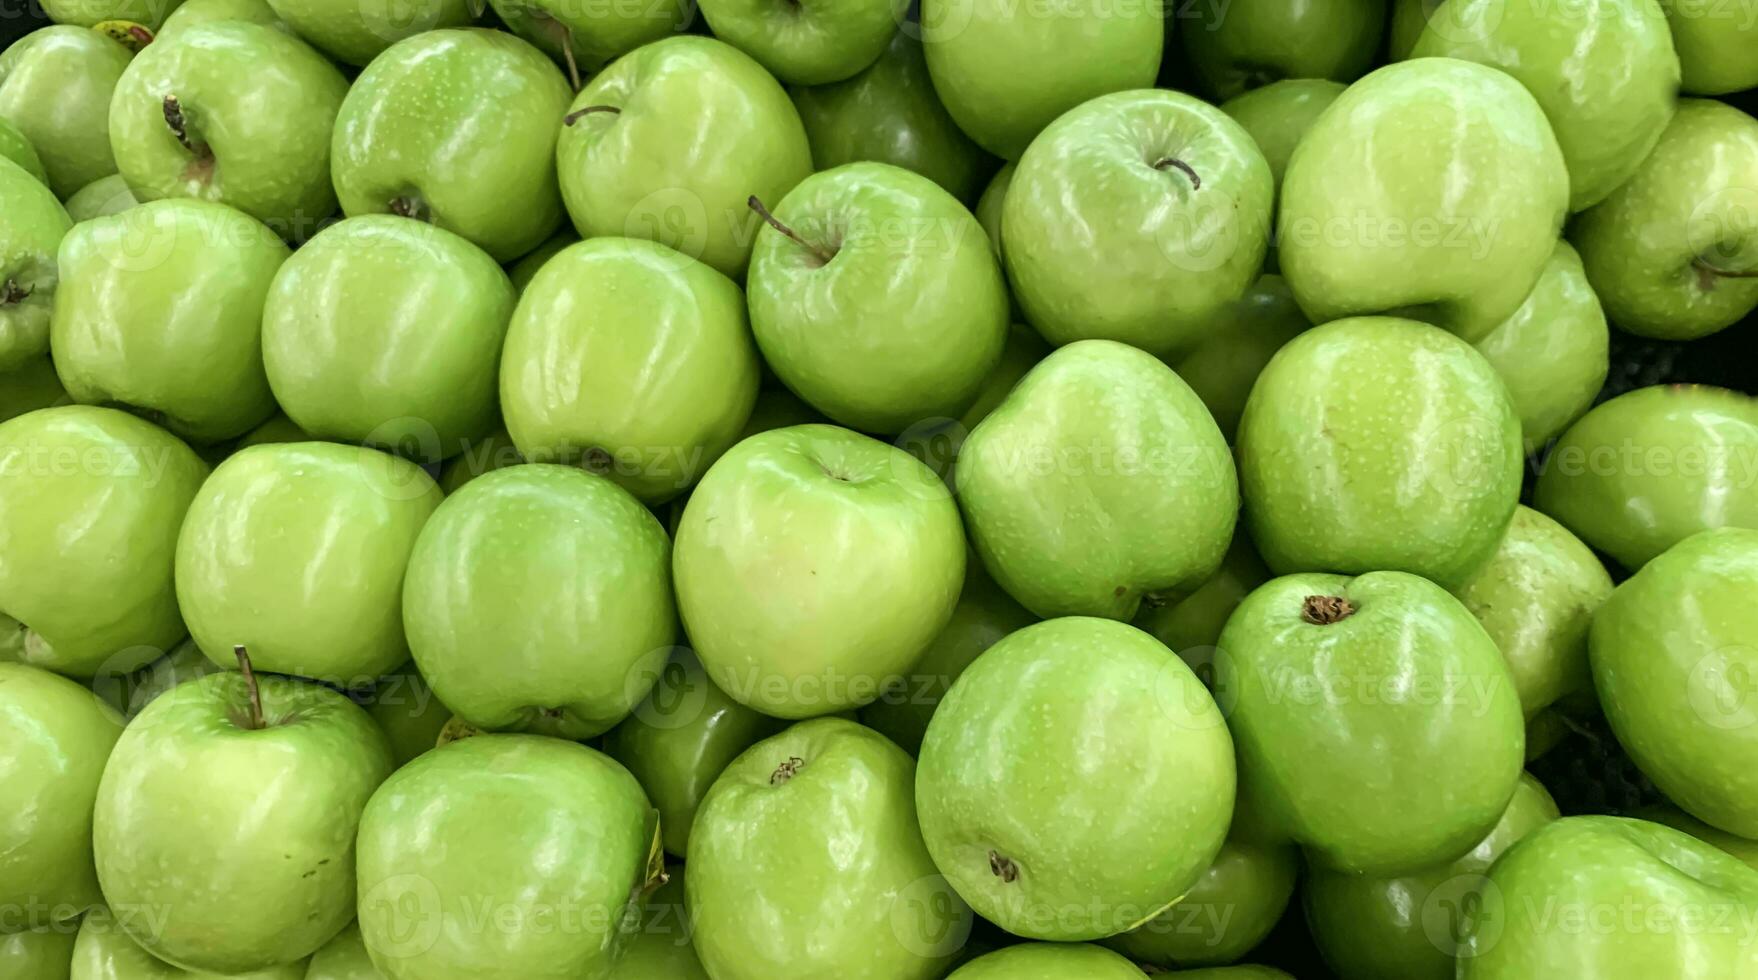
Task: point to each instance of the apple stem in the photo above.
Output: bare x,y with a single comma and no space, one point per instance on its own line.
786,770
409,206
1196,183
11,292
763,213
1003,868
1708,274
1323,610
256,722
564,36
575,116
179,123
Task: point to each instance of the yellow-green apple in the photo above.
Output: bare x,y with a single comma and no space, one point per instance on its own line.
102,950
44,953
32,226
55,86
91,13
192,12
100,199
15,146
343,958
1278,115
1714,42
355,33
807,45
1743,848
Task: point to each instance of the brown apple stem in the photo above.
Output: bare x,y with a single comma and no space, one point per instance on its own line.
1708,275
1323,610
578,114
178,121
1196,183
11,292
763,213
1003,868
786,770
597,460
409,206
256,722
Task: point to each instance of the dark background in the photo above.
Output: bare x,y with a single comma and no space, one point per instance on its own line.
18,18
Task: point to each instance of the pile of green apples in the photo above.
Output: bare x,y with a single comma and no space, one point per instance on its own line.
862,490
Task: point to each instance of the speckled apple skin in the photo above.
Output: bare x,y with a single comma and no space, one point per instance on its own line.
1048,961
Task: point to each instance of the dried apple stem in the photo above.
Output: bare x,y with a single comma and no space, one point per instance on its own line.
763,213
256,719
1323,610
1196,183
11,292
578,114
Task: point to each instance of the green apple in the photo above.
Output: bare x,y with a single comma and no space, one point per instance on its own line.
38,954
549,838
189,13
983,616
807,45
1673,662
91,500
91,13
1554,352
991,204
1192,624
1409,19
15,146
1239,45
1229,910
1407,927
100,199
492,452
679,740
1377,724
1378,443
1536,598
388,332
501,567
279,428
1714,42
1247,333
1243,972
1277,116
408,712
297,551
32,227
343,958
54,739
662,950
356,33
1432,189
229,808
632,360
1100,483
797,631
30,387
1673,253
1612,897
147,295
1076,781
102,950
183,664
874,296
1005,70
805,860
585,36
1048,961
55,87
888,113
233,112
397,145
1741,847
937,442
524,270
672,140
1650,468
1136,217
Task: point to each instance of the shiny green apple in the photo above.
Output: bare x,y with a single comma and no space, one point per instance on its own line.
15,146
1278,115
90,13
493,452
1227,913
524,270
408,711
989,206
100,199
807,44
32,226
343,958
585,36
55,87
192,12
1224,365
1048,961
662,950
1192,624
1239,45
356,33
1714,42
1743,848
38,954
102,950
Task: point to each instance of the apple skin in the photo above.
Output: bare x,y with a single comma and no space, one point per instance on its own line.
679,740
1108,444
1405,927
183,664
55,87
575,644
30,387
888,113
1048,961
539,831
492,452
1191,625
355,33
343,958
38,954
195,806
700,128
103,951
297,551
1414,427
1409,19
1239,45
1076,780
1612,897
1229,910
632,360
991,204
979,53
31,232
396,146
279,428
1740,847
906,319
15,146
256,101
984,615
1382,740
57,736
387,332
86,543
662,950
192,12
797,631
1671,658
100,199
1554,352
1536,597
408,712
1651,467
526,268
1106,236
168,290
1431,188
807,44
90,13
598,33
938,442
1278,115
1714,42
1224,365
1667,251
806,861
